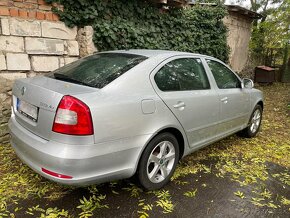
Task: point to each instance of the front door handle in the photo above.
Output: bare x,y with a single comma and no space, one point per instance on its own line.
179,104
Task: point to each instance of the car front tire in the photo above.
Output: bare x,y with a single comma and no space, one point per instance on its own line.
158,161
254,123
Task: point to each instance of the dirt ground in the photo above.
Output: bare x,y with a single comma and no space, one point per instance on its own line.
235,177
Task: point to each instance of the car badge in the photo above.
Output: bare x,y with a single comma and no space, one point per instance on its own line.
23,90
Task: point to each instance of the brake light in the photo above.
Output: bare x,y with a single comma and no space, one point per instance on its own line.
73,117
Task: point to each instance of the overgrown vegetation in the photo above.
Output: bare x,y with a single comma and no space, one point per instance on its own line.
132,24
271,34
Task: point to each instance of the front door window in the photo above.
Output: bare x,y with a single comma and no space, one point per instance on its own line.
224,77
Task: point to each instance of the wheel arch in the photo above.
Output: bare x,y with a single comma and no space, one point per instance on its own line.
181,138
178,135
258,102
261,103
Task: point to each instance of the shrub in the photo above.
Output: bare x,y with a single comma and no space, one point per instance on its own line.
127,24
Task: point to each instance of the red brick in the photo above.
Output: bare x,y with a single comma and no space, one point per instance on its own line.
23,14
41,2
25,5
30,5
10,4
31,1
4,11
49,16
13,12
18,4
40,15
4,2
32,14
44,7
55,17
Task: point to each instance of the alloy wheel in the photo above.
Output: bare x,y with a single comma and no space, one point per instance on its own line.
161,161
255,121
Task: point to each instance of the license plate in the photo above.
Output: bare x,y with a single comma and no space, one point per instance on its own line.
28,110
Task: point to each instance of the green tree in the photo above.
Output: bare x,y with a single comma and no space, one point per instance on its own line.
271,34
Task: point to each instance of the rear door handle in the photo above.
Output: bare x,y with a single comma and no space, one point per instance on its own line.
179,104
225,100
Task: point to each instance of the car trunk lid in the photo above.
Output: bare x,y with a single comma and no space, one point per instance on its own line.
35,101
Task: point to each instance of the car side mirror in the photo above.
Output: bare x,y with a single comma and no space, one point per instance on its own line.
247,84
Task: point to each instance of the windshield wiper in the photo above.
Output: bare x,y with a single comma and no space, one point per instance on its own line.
69,79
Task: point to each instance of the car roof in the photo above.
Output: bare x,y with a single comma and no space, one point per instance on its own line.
153,53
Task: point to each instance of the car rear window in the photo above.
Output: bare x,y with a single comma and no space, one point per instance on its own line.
97,70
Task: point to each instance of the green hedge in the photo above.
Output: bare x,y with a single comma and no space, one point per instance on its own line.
124,24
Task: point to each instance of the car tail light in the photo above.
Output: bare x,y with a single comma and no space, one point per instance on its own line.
73,117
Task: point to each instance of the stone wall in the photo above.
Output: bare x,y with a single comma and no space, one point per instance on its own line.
5,99
32,46
239,35
34,42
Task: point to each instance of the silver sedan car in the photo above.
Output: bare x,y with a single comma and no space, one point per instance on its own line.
115,114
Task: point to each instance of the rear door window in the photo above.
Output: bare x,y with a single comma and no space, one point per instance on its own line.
97,70
181,75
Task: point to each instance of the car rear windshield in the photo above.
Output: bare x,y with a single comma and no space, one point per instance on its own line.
97,70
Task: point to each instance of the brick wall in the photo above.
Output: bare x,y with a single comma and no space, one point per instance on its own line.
33,42
32,9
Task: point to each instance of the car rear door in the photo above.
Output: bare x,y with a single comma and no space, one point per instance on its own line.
183,85
234,101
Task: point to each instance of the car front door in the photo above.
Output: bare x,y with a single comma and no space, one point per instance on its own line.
234,101
182,83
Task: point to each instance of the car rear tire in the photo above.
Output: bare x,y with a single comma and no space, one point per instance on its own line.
254,123
158,161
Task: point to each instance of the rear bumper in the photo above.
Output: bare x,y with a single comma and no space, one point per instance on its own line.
86,164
